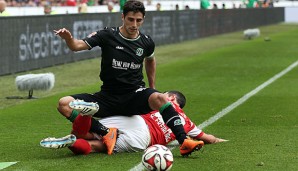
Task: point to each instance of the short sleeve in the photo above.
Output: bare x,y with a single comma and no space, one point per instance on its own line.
150,47
96,38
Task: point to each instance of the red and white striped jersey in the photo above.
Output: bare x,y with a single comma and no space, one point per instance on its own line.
161,134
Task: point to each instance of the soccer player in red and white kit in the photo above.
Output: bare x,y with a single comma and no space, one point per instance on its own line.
136,132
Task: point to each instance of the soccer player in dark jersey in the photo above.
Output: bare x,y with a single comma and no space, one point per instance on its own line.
124,50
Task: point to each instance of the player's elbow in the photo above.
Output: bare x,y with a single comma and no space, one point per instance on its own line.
76,48
77,45
73,49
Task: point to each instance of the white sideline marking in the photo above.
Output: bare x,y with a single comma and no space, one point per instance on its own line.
4,165
246,97
230,107
138,167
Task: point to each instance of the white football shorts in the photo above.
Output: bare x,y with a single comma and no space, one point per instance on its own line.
134,135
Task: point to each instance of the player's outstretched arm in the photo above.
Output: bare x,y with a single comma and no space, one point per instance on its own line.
72,43
211,139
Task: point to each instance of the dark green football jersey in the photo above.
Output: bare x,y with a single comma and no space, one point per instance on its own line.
122,58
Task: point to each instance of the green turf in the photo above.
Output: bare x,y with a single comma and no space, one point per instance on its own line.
213,73
6,164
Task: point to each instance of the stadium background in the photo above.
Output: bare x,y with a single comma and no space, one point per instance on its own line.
28,42
37,9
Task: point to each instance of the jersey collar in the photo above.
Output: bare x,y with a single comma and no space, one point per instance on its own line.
128,38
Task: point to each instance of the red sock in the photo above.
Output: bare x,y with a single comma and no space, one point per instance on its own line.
82,124
81,146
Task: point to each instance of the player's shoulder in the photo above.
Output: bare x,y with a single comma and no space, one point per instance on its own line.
145,36
147,39
109,30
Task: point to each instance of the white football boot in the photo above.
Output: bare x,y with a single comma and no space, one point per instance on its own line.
56,143
84,108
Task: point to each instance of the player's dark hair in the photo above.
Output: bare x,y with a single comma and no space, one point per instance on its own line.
134,6
179,97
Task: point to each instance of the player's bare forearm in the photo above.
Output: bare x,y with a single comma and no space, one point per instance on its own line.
150,66
211,139
72,43
76,45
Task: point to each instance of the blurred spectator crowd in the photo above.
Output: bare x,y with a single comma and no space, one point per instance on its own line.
37,3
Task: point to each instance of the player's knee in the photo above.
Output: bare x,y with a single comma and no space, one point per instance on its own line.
63,104
157,100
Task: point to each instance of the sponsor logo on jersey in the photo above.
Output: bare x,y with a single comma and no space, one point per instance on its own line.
139,52
161,124
119,47
140,89
125,65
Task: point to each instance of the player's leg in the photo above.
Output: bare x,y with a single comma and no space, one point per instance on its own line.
65,110
97,146
71,106
87,136
159,101
134,135
109,135
86,104
149,99
83,125
82,146
77,146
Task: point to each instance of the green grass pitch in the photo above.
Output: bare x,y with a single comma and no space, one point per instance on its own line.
212,72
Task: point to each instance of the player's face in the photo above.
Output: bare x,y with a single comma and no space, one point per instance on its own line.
131,24
171,97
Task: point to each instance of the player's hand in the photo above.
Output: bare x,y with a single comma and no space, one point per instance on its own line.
63,33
